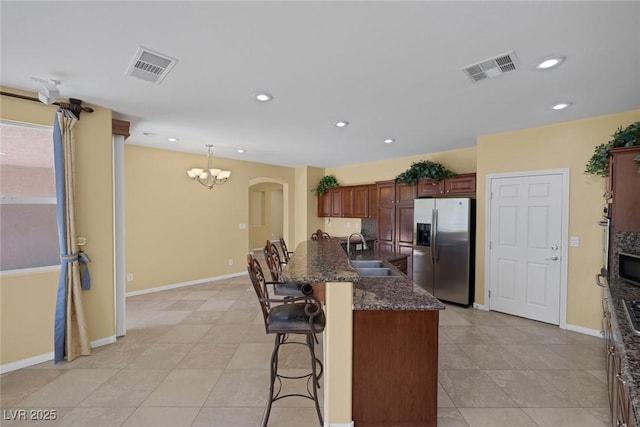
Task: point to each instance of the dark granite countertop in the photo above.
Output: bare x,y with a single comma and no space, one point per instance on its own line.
629,342
324,260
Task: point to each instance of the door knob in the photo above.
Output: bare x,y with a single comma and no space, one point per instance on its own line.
554,247
553,258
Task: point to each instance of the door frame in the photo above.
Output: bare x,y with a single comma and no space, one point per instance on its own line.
564,238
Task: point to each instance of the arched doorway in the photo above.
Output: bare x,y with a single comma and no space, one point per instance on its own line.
268,211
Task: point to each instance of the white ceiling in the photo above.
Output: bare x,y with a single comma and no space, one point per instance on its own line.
392,69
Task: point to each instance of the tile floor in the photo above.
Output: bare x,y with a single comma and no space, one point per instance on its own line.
198,356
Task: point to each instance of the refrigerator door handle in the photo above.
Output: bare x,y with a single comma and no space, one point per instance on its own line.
434,236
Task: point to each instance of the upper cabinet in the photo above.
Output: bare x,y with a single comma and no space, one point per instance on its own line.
356,201
462,184
624,189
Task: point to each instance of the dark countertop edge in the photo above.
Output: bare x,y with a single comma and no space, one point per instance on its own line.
425,301
628,343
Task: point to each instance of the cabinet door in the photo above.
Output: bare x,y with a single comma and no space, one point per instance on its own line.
625,182
430,187
386,226
361,201
406,193
461,184
386,192
336,202
324,205
347,202
373,201
404,227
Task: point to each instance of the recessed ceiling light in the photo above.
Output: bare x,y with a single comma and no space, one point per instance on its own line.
241,150
562,106
172,139
263,97
389,140
547,63
342,124
2,153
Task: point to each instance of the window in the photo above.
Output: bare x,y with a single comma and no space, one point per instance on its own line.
28,224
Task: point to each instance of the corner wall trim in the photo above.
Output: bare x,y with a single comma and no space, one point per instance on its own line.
184,284
46,357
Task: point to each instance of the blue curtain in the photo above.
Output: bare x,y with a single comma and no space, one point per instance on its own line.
68,307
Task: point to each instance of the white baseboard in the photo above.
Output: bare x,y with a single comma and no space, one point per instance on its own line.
184,284
583,330
46,357
339,424
480,306
25,363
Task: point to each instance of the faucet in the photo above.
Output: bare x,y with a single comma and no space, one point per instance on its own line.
364,242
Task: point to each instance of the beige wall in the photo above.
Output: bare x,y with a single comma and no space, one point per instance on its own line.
307,221
566,145
28,300
179,231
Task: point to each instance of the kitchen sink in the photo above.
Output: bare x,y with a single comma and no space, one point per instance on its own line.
375,272
368,263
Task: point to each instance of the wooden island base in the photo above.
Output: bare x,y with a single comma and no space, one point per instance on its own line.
395,368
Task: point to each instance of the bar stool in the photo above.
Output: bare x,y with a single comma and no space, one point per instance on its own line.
285,252
272,258
284,317
319,234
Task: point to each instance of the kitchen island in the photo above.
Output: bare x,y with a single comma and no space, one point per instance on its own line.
381,339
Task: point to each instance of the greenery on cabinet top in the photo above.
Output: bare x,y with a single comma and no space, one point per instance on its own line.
628,137
325,183
424,169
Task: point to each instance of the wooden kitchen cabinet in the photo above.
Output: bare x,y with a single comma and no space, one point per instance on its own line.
619,401
355,201
395,368
395,219
365,203
336,201
347,202
462,184
324,204
624,191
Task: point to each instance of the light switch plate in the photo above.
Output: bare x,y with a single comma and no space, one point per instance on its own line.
574,241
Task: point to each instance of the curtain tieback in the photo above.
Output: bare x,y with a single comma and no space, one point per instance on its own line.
83,259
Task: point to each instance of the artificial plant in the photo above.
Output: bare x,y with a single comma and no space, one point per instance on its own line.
627,137
423,169
325,183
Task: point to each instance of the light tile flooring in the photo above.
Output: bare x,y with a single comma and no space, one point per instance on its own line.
198,356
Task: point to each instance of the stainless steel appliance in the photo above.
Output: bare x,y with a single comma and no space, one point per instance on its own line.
602,277
629,268
444,248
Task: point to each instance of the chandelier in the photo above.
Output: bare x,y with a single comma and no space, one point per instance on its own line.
209,177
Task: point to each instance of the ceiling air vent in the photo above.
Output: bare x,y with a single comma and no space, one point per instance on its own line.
491,67
150,66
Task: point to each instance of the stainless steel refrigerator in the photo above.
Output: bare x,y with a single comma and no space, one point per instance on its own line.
444,248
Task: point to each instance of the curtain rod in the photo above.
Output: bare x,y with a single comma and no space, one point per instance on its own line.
74,105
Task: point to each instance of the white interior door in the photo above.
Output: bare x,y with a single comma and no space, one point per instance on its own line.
526,245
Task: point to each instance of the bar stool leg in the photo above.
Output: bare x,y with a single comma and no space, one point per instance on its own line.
314,376
274,374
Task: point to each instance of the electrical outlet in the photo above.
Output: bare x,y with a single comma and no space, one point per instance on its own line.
130,277
230,261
